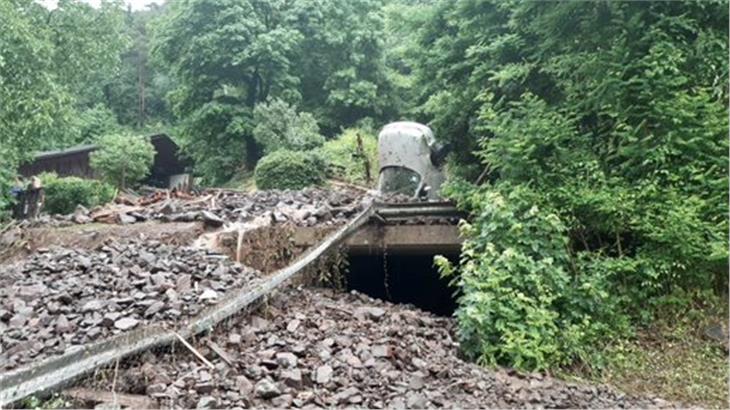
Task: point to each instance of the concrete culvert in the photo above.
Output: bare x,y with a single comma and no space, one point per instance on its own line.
402,278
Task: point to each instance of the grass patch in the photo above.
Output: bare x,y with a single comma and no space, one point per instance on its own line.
673,357
241,181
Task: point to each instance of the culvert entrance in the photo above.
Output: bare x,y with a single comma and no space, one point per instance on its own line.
402,278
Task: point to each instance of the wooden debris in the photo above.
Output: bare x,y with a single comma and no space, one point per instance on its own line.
220,352
110,213
195,352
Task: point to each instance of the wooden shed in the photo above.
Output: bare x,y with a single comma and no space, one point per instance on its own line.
168,166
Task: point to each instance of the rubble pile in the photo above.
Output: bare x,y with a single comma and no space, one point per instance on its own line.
59,298
321,349
308,207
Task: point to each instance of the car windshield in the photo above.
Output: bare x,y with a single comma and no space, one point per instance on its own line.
399,180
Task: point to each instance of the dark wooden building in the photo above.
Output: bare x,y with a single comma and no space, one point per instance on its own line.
167,167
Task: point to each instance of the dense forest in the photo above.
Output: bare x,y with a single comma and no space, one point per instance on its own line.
590,139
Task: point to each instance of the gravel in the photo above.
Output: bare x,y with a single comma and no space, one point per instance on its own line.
316,348
59,298
308,207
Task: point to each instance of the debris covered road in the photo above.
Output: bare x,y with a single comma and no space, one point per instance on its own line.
308,207
58,298
305,348
64,297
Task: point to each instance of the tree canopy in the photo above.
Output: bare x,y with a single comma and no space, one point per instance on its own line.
325,57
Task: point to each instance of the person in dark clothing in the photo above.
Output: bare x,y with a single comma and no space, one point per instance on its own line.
35,196
18,194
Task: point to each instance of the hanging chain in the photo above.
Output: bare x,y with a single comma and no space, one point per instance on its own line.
385,264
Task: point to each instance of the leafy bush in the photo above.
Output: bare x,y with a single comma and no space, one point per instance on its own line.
217,137
123,159
615,128
521,303
279,126
285,169
347,159
7,175
63,194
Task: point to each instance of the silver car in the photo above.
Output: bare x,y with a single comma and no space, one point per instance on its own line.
410,161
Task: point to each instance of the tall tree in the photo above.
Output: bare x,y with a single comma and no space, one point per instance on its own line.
51,63
87,42
136,94
229,55
341,61
35,106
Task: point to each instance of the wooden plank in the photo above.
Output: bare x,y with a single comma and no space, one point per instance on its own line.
220,352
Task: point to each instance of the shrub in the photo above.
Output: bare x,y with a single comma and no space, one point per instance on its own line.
285,169
549,287
279,126
64,194
7,173
123,159
521,303
350,161
217,137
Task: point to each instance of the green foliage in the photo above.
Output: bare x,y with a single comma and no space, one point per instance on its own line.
35,105
347,160
94,122
279,126
50,61
64,194
122,159
614,126
51,403
217,136
285,169
686,366
136,94
228,56
87,42
521,302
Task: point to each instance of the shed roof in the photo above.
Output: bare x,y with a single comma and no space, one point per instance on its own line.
66,151
86,147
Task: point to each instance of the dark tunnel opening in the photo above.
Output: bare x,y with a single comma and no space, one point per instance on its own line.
410,279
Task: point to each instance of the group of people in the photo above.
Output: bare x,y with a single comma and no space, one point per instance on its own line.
28,197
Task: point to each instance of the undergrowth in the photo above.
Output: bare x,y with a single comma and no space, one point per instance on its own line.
672,357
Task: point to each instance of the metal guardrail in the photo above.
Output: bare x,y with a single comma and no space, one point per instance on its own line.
417,209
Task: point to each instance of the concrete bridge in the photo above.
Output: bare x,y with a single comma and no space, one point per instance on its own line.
410,228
